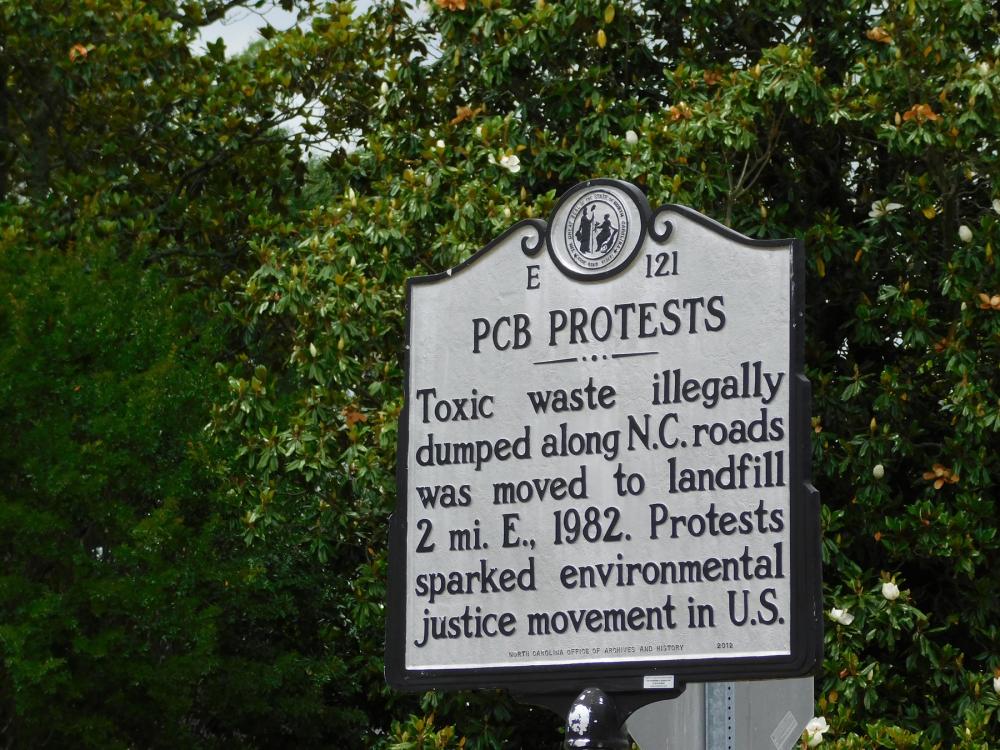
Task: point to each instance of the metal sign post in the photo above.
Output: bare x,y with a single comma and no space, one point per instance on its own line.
760,715
603,467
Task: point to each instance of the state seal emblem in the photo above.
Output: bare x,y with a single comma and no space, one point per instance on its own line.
596,228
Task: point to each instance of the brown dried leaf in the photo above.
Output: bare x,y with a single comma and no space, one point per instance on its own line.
680,112
353,416
921,113
880,35
464,113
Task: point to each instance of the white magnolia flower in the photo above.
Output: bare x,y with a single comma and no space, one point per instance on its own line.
440,143
883,208
511,163
996,684
428,180
631,137
506,212
841,616
384,88
964,233
890,591
814,730
879,471
479,131
996,205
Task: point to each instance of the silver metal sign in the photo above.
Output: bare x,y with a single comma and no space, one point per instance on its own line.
603,459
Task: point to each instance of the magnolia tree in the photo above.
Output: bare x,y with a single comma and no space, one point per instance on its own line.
134,169
867,130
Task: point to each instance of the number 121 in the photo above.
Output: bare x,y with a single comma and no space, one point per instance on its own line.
661,264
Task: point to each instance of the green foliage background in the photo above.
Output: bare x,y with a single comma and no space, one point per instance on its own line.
201,333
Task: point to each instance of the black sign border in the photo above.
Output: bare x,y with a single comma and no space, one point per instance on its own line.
806,610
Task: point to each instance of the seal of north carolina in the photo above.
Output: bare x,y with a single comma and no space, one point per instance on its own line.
596,229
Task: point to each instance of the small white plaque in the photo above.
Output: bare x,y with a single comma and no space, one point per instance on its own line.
658,682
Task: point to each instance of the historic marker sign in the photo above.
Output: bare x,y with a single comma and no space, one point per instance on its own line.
603,459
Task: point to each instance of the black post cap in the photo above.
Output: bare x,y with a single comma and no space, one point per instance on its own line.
593,723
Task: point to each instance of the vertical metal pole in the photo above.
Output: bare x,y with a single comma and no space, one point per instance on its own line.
720,719
593,723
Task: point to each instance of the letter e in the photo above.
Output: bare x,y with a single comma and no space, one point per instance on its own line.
533,282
